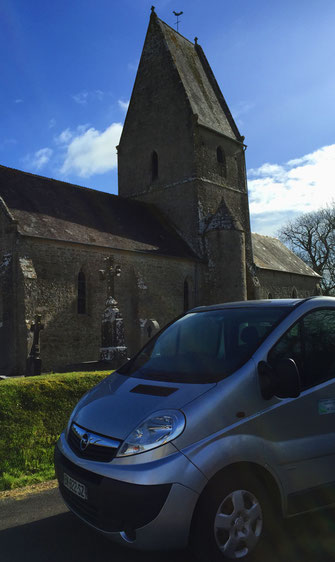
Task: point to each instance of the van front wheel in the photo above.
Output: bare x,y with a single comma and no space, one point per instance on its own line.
231,521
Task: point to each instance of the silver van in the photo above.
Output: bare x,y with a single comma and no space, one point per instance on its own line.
222,424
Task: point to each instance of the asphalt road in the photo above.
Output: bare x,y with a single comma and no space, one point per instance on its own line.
39,528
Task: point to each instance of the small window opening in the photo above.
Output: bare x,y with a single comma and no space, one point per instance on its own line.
294,293
221,158
154,165
81,293
270,296
186,296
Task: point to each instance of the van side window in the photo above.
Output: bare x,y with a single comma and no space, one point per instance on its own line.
289,346
311,343
318,336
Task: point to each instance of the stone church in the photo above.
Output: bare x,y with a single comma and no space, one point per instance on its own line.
179,230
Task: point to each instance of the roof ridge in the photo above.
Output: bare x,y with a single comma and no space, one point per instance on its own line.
266,236
38,176
175,31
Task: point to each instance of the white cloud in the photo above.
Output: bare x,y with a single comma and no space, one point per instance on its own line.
18,100
80,98
64,137
92,152
99,94
52,123
124,105
82,128
241,108
299,186
83,97
40,158
6,142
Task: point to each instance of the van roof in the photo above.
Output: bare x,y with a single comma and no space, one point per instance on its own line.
290,303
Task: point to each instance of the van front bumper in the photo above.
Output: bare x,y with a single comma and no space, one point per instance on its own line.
145,516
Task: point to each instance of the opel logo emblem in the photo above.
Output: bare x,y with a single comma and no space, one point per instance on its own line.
84,442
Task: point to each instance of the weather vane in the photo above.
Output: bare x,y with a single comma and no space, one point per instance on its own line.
177,14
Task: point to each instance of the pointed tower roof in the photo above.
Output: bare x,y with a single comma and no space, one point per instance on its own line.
189,68
201,87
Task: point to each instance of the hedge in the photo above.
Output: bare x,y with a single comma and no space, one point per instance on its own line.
33,413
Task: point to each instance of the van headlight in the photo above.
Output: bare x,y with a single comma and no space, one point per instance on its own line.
156,430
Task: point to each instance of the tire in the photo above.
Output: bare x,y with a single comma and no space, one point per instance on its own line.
233,520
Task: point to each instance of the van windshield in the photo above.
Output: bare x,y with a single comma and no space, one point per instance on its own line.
204,346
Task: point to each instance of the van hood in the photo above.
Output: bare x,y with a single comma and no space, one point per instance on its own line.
119,403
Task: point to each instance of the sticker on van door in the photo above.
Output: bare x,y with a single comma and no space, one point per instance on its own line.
327,406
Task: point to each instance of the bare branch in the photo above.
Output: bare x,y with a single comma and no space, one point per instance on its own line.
312,238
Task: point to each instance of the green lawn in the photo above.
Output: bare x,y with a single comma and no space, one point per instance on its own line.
33,413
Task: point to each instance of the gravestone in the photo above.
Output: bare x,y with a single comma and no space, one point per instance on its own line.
149,328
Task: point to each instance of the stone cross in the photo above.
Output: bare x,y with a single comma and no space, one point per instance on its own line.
35,328
113,348
34,363
110,272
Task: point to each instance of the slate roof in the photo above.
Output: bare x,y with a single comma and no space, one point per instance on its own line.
203,92
48,208
270,253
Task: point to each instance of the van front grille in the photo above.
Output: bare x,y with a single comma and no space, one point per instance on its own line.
92,446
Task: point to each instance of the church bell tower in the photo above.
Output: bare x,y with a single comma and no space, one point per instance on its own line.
181,151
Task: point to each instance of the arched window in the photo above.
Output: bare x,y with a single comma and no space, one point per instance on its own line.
270,296
294,293
221,158
81,301
186,296
154,165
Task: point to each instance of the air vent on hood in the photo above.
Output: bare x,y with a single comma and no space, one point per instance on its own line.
153,390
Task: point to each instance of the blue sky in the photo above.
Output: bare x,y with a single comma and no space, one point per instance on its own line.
67,71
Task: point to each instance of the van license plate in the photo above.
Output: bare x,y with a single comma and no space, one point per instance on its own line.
75,487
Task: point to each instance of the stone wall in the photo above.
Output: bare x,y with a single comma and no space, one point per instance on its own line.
10,292
150,287
207,165
280,285
226,267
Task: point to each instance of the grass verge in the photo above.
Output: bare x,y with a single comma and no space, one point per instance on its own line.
33,413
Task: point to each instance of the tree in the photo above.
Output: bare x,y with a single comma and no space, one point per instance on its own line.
312,237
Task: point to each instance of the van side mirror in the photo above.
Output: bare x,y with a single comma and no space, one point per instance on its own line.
282,380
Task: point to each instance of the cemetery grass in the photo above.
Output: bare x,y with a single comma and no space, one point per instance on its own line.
33,413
